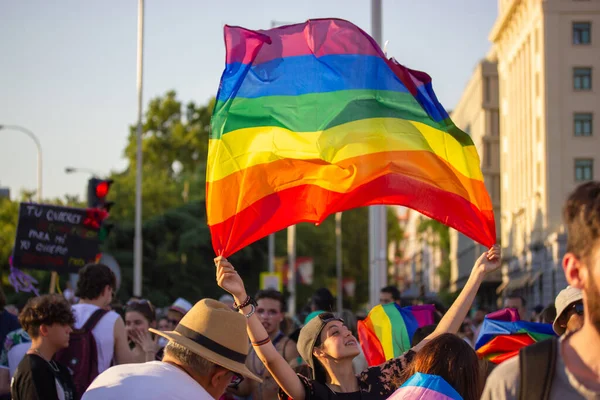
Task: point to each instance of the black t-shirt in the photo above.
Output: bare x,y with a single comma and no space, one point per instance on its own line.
37,379
375,383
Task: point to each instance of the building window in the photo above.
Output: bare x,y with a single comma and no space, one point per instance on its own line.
583,124
582,78
584,169
468,129
487,89
487,154
495,122
582,32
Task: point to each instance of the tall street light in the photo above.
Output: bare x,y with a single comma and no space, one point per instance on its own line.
377,214
72,170
137,244
39,154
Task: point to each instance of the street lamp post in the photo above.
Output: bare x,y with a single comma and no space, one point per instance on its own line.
72,170
137,241
39,154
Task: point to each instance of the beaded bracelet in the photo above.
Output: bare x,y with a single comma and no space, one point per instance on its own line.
244,304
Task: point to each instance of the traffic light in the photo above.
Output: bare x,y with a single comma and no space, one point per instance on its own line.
97,192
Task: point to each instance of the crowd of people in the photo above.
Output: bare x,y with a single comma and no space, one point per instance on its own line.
243,347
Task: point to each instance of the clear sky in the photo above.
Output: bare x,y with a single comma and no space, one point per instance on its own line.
68,67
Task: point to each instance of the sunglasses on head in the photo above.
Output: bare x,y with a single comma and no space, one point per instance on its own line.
329,317
236,380
140,302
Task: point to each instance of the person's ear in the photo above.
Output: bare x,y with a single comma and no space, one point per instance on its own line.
44,330
575,272
319,352
217,377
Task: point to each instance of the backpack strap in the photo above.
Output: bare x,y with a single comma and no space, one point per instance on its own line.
93,320
537,366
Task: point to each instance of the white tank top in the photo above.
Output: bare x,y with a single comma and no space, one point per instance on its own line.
104,332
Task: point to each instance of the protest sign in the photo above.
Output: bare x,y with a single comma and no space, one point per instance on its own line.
54,238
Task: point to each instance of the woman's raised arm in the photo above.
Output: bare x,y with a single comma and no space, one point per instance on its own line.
286,378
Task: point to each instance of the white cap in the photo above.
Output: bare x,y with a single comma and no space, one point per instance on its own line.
565,298
181,305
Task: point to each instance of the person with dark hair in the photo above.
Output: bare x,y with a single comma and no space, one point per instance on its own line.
519,303
567,367
270,310
140,315
390,294
48,321
8,324
95,289
421,333
451,358
328,346
322,300
8,321
549,314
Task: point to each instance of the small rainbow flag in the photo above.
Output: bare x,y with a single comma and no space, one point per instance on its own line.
424,386
502,335
313,119
387,331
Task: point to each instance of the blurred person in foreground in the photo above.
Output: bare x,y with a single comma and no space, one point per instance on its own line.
328,346
48,320
206,353
569,367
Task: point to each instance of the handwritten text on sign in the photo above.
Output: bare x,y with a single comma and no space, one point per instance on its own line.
55,238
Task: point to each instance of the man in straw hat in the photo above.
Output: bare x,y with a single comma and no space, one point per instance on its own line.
206,353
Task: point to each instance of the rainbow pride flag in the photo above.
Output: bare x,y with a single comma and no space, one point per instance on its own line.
312,119
424,386
387,331
503,335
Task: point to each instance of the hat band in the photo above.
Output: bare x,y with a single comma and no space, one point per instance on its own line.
211,344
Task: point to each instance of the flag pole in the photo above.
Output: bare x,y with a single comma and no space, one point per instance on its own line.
291,244
338,261
137,241
377,214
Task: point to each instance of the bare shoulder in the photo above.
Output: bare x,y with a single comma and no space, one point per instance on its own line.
503,382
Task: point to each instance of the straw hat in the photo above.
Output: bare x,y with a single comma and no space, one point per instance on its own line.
215,332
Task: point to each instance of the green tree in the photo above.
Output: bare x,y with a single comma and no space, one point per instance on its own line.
175,149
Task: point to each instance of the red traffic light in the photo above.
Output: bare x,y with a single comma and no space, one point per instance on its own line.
102,189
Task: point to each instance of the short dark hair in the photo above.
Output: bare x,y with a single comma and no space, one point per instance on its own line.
549,314
323,299
422,333
45,310
93,278
582,219
393,290
144,307
273,295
